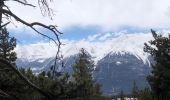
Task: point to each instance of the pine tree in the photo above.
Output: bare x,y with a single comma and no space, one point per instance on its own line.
121,95
86,88
145,94
6,56
159,79
8,79
134,90
7,45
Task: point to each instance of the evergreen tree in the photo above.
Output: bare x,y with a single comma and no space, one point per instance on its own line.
121,95
10,83
8,13
145,94
159,79
7,45
134,90
86,88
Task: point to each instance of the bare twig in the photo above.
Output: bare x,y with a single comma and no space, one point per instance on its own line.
4,94
5,24
52,28
4,69
23,2
45,9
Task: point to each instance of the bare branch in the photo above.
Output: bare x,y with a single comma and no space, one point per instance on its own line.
44,6
31,25
45,9
5,24
24,3
5,69
4,94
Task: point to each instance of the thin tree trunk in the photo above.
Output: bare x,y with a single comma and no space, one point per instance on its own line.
1,5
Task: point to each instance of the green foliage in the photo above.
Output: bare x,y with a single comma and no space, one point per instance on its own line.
84,86
10,83
159,79
8,79
7,45
121,95
145,94
135,90
14,86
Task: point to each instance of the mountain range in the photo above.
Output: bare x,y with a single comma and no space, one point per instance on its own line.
119,59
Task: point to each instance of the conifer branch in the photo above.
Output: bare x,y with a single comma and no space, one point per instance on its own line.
28,82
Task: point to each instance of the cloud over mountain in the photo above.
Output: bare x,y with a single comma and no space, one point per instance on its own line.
119,43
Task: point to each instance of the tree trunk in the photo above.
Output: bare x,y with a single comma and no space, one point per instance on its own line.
1,5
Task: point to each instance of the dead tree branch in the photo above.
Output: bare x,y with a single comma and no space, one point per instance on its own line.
45,9
5,69
43,5
24,2
52,28
6,95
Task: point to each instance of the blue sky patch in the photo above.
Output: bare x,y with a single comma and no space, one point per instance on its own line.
26,36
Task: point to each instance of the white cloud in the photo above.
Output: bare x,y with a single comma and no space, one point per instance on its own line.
93,37
106,36
130,43
109,14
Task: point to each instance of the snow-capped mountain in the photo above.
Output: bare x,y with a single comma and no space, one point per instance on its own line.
98,46
119,58
116,72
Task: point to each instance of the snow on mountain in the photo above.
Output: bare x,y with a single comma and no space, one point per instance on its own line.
118,63
118,57
39,51
98,45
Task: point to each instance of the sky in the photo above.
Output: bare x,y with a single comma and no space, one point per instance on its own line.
79,19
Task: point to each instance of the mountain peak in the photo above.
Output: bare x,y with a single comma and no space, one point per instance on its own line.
98,49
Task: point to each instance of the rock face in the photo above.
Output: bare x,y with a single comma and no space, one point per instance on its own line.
118,72
114,72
